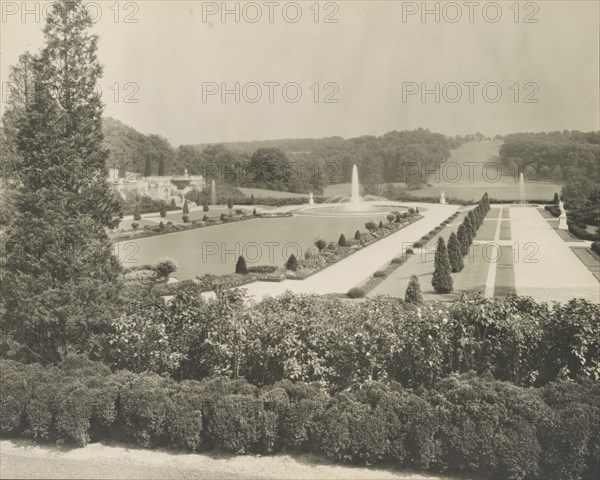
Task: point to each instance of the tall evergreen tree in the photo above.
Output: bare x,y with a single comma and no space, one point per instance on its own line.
442,279
186,208
61,277
469,229
455,254
463,239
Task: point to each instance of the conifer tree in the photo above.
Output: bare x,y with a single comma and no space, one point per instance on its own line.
463,239
240,266
455,254
342,241
357,235
186,209
163,210
60,274
442,279
292,263
413,291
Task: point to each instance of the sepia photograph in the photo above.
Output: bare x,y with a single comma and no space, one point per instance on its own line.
300,240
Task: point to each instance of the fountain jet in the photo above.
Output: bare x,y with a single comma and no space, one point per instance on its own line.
213,193
355,192
522,188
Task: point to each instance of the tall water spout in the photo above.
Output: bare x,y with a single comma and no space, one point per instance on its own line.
355,192
522,188
213,193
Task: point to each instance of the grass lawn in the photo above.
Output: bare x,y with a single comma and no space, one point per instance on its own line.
589,259
505,230
487,230
505,273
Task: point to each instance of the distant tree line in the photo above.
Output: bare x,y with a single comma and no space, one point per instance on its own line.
293,165
552,156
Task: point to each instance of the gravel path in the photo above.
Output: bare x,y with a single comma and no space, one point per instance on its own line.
23,459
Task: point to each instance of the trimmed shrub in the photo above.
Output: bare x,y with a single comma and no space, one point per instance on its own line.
357,235
397,260
184,416
582,233
418,244
240,266
292,263
379,274
596,247
163,210
235,423
350,431
489,427
205,207
223,218
185,209
342,241
356,292
135,225
381,225
142,407
137,215
262,269
413,291
185,218
161,225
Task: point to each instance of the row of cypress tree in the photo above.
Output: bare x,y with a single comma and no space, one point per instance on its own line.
449,259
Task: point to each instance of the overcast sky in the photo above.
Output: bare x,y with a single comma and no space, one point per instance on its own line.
374,61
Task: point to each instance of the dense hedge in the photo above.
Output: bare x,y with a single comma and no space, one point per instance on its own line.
596,247
553,209
580,232
465,423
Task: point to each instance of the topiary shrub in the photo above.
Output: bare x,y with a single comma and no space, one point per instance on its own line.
356,292
357,235
135,225
205,207
292,263
381,225
185,218
342,241
163,210
240,266
379,274
185,209
397,261
418,244
161,225
137,215
223,218
413,291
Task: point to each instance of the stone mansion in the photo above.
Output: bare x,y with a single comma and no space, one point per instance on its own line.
159,188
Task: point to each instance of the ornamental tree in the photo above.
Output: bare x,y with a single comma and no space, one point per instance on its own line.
442,279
